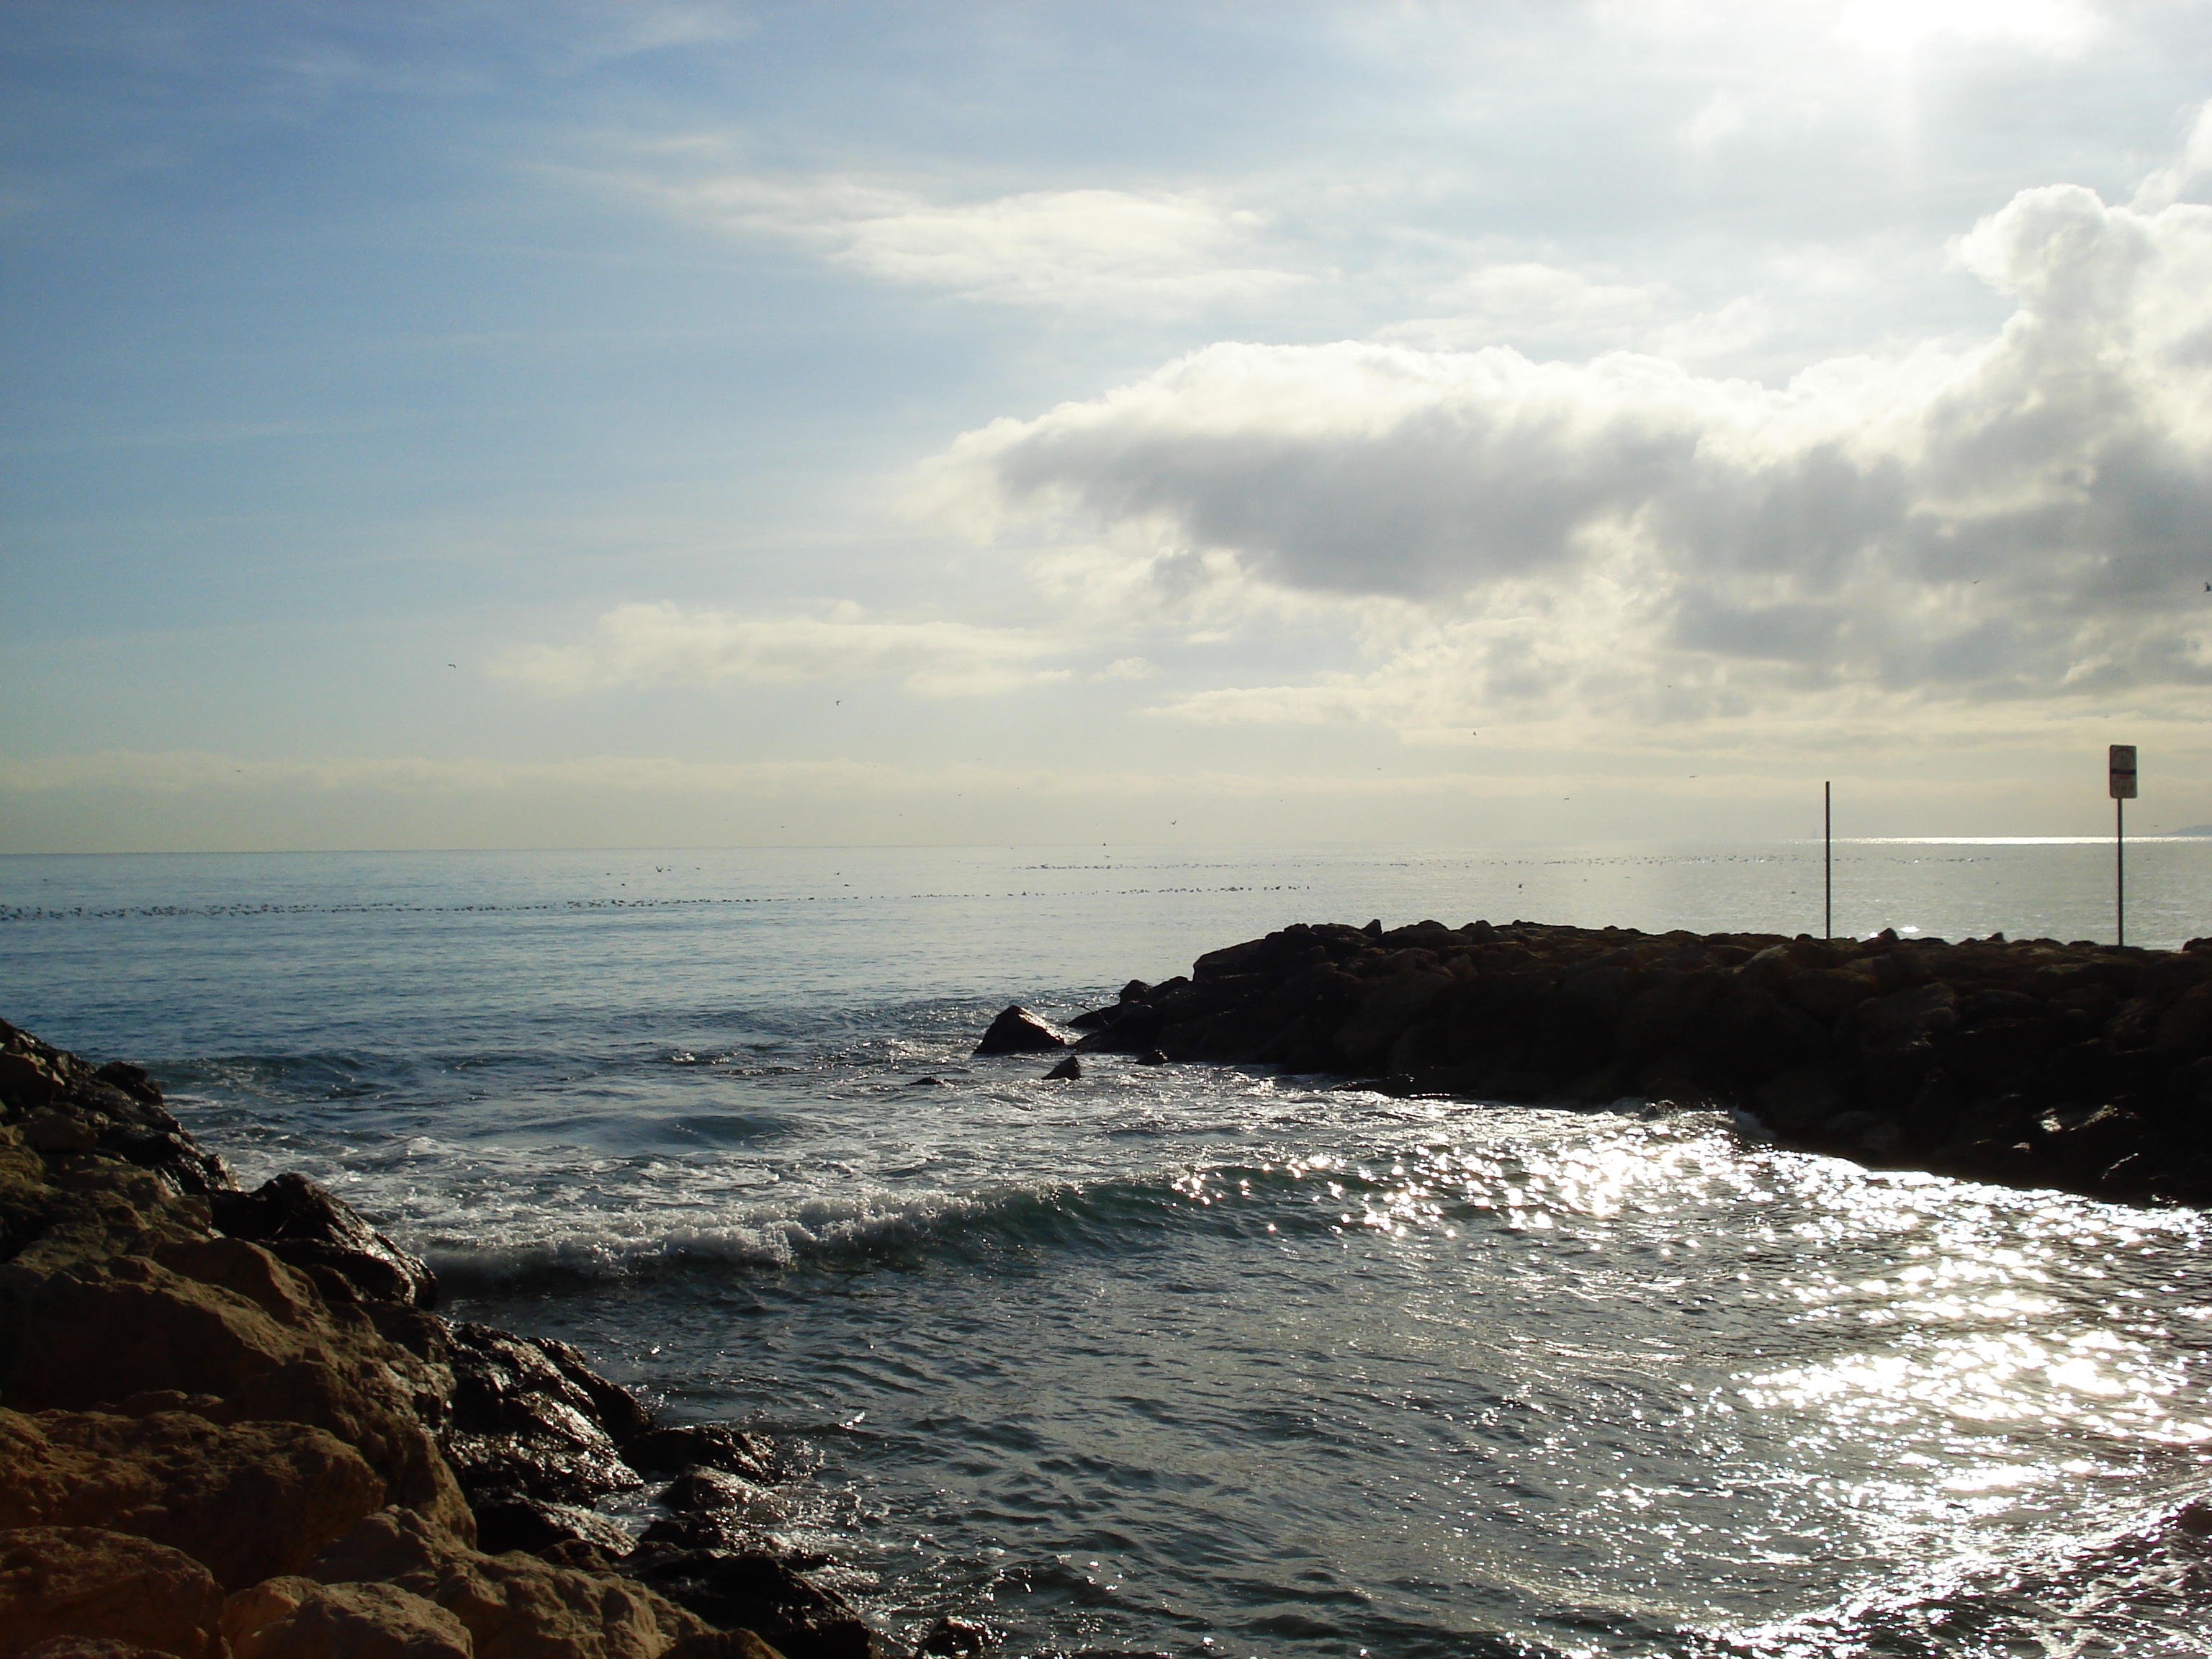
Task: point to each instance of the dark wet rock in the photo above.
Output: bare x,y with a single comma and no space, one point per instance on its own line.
531,1419
708,1490
679,1446
528,1524
298,1221
63,1106
727,1532
1018,1031
1067,1071
761,1593
1152,1057
927,1082
172,1156
949,1637
1129,1028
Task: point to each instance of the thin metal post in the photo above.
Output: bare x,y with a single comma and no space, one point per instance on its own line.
2119,870
1827,860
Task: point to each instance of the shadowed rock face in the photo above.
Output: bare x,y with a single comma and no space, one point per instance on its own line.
2035,1062
227,1427
1018,1031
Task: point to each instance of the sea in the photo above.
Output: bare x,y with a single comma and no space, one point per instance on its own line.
1208,1360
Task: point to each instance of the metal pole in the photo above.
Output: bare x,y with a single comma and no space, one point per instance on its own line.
2119,870
1828,861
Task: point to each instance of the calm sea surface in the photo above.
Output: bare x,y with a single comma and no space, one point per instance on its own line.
1207,1361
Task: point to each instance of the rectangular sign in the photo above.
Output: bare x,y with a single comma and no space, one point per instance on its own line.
2123,771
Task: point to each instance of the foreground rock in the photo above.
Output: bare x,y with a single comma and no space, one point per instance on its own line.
2035,1062
230,1426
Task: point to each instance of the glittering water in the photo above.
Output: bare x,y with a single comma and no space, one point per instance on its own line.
1202,1360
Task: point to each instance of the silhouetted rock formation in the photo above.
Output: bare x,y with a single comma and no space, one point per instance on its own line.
2035,1062
1018,1031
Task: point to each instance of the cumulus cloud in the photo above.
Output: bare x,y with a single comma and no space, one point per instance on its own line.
2022,519
1068,247
665,645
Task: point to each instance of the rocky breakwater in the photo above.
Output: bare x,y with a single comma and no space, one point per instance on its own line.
2031,1062
231,1425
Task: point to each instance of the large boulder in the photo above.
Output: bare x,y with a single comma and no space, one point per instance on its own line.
68,1106
246,1502
293,1617
250,1336
1018,1031
513,1606
89,1583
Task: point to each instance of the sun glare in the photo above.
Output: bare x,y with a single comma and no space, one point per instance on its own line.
1899,27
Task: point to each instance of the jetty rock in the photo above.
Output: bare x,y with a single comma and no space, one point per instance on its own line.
2031,1062
1018,1031
230,1428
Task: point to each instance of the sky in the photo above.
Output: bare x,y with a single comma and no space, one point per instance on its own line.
562,423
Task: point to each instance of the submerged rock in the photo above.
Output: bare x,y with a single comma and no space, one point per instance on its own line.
709,1491
949,1637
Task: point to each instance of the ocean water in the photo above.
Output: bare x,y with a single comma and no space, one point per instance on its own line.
1202,1360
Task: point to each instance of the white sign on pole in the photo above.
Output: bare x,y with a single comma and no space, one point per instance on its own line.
2123,771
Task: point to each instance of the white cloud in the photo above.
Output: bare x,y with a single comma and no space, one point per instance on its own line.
1542,307
1062,248
665,645
2018,521
1129,668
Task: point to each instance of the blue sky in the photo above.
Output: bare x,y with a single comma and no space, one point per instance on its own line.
482,424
